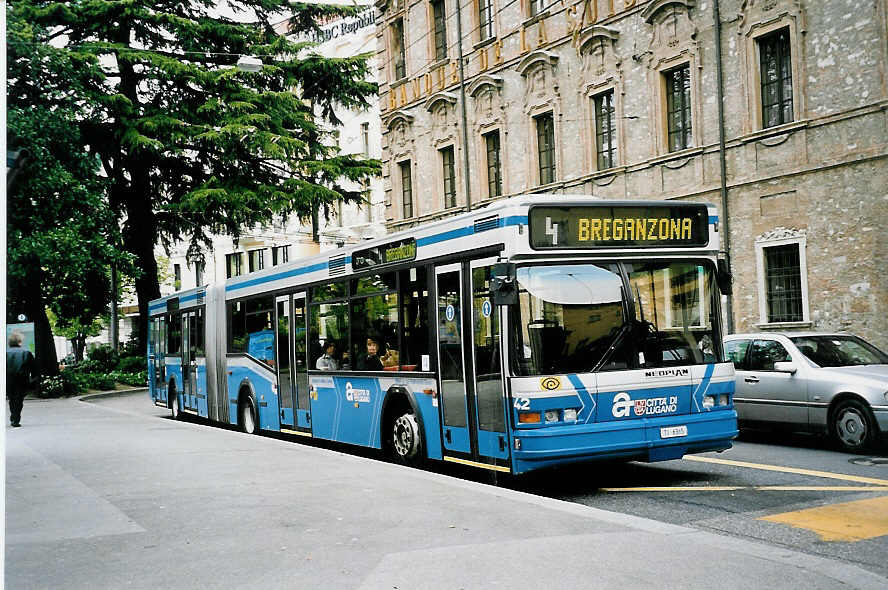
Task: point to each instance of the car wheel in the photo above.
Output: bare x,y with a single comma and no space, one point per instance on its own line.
852,426
406,439
248,416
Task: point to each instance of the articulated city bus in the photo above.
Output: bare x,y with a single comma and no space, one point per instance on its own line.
533,332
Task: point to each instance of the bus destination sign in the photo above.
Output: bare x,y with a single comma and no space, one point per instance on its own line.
590,226
399,251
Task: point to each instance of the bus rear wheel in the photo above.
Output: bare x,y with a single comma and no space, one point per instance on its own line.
248,415
406,439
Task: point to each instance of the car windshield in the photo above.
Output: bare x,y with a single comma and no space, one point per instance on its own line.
839,351
573,318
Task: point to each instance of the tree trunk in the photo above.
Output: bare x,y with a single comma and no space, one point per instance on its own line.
79,344
140,235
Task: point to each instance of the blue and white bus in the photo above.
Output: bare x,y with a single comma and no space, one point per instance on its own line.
536,331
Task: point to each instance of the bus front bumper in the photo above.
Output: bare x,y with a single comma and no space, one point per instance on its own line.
636,440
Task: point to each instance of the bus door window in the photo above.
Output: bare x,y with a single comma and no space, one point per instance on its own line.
285,379
415,355
300,359
450,359
489,395
673,313
569,319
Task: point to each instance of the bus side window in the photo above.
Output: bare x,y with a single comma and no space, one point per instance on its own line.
414,318
259,329
237,330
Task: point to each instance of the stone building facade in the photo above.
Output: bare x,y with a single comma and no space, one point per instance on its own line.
619,99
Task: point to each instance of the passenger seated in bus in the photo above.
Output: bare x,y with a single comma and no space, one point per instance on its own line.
327,361
370,361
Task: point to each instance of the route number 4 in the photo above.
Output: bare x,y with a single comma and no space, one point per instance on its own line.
552,230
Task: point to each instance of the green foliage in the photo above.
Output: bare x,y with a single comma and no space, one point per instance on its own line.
132,364
60,229
191,145
104,356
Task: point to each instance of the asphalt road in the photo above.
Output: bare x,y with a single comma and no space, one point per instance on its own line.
763,476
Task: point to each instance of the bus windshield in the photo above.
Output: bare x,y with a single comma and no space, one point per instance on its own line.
576,318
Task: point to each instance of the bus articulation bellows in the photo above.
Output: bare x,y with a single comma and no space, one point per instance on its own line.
536,331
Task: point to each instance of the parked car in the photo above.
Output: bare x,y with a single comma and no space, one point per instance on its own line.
830,383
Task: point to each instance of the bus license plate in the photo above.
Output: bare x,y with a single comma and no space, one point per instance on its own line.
673,431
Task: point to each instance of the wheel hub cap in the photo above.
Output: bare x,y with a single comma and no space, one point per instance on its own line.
852,429
405,436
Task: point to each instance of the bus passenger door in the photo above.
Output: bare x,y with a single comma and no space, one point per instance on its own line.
158,352
300,364
487,366
284,362
451,359
190,331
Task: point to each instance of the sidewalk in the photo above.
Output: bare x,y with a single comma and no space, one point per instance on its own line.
107,495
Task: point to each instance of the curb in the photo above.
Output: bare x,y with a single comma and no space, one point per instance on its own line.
110,393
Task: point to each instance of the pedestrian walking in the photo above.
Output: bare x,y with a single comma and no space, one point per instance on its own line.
21,373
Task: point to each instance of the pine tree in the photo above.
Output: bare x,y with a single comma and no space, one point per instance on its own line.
193,146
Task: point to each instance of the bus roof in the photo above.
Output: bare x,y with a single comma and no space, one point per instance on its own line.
432,240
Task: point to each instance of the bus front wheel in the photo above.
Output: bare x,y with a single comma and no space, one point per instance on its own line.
248,415
406,438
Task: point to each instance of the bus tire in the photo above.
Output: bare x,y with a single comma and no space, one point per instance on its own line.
405,438
247,416
175,410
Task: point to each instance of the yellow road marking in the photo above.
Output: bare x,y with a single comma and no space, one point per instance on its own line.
850,521
826,474
756,488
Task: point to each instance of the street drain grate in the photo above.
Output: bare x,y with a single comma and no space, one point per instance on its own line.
870,461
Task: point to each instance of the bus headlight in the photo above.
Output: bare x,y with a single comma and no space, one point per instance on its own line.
551,416
570,415
708,402
724,399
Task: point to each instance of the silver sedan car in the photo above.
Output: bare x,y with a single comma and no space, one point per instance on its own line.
816,382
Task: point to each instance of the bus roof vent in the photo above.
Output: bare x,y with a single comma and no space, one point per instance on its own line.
337,265
487,223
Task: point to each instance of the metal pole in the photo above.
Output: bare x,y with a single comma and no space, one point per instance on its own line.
729,306
115,336
462,103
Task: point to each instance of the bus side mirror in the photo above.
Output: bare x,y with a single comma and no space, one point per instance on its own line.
723,277
502,284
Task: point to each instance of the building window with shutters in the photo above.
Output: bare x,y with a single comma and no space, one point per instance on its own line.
605,130
280,255
494,164
256,259
234,264
678,108
399,58
782,280
545,136
439,29
776,78
406,189
449,175
485,19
